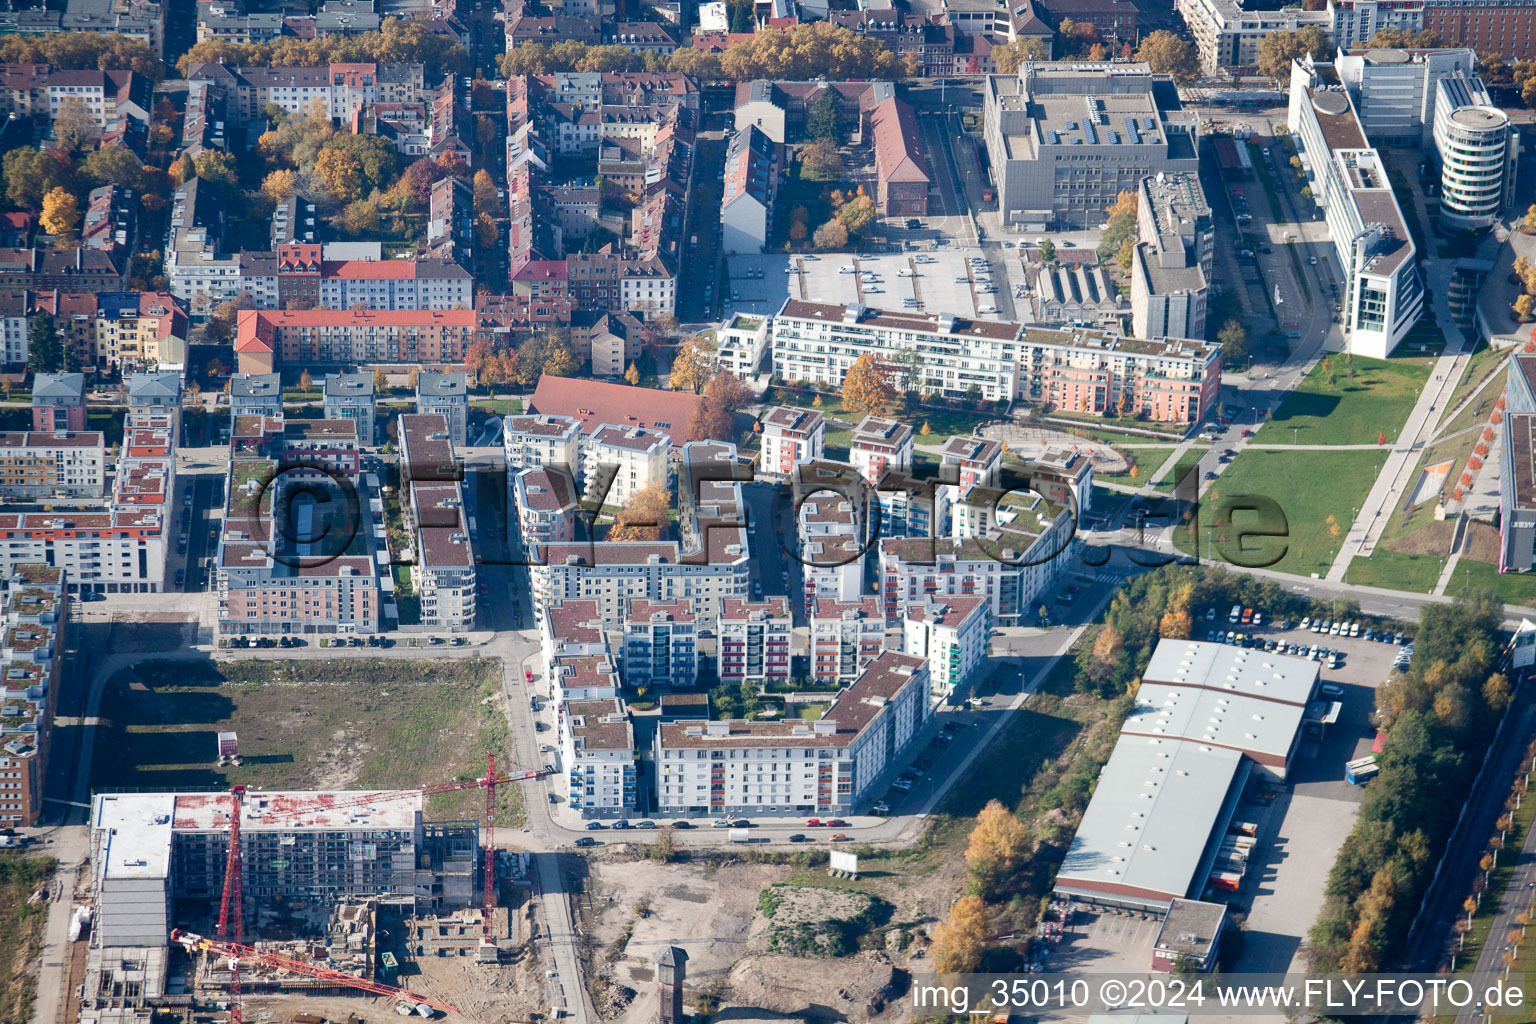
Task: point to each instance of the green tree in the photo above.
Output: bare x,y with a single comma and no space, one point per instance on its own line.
1047,250
1278,50
825,120
858,214
830,236
30,175
45,352
1234,342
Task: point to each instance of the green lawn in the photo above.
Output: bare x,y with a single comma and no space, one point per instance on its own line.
498,406
21,930
1345,409
1147,462
1309,487
349,722
1511,587
1395,570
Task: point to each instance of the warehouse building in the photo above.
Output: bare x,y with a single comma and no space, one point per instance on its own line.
1207,718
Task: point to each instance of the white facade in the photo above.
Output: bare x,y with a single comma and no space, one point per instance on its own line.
597,756
791,437
741,343
880,446
540,440
636,458
1228,36
1476,146
68,464
831,766
1395,91
1356,22
952,635
1384,295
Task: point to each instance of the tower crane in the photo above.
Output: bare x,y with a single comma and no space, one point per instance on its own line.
229,939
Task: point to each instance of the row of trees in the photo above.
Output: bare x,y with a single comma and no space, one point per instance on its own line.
1278,50
397,41
1438,717
83,51
1119,238
817,50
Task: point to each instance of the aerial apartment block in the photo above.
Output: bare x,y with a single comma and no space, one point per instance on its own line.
834,765
754,640
66,464
443,573
32,642
1173,380
845,636
661,644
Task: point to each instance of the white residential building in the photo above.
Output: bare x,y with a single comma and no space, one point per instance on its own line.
541,440
577,678
632,458
791,437
571,629
63,464
845,636
831,551
660,644
1171,265
880,446
1173,380
977,460
1228,32
835,765
952,634
754,641
597,755
741,344
443,573
544,503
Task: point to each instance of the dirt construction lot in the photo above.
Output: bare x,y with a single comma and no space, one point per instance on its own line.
308,724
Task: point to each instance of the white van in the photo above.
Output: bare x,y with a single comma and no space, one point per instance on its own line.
1236,613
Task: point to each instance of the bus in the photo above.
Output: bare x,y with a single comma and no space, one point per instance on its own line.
1361,770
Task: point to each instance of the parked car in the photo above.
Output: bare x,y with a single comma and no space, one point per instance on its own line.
799,837
595,826
586,841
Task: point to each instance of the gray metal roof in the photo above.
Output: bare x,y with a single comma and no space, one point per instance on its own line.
1246,724
1155,806
1272,677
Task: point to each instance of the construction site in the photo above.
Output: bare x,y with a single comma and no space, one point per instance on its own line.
201,901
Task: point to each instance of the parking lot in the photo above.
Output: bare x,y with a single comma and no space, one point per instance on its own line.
941,280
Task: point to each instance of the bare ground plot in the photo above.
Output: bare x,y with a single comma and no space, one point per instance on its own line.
309,724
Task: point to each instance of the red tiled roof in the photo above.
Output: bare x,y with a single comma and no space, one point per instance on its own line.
897,157
595,403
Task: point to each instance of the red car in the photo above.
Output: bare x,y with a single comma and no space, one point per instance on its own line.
527,675
1247,433
838,823
813,823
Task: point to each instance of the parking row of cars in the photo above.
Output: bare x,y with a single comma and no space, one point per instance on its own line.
1352,629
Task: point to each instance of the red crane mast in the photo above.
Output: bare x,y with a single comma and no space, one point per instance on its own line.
231,930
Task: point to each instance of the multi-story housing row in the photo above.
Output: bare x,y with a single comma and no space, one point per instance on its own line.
752,166
303,273
597,754
65,270
140,20
267,339
350,396
790,438
1066,139
617,462
445,395
834,765
67,464
571,629
1171,265
533,441
122,548
1228,33
754,641
287,566
1383,293
108,329
545,507
39,91
335,91
32,642
443,569
741,344
1172,380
